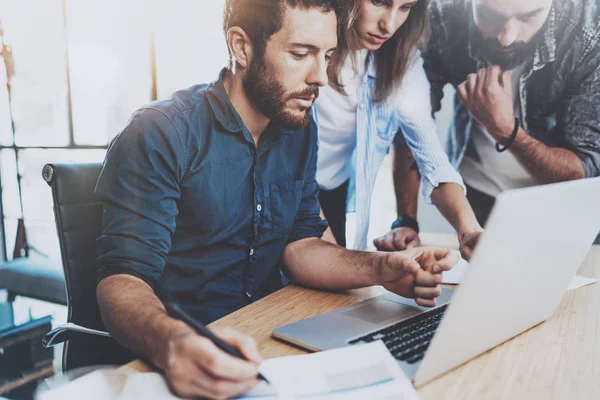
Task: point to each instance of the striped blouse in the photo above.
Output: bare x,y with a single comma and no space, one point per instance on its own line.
408,109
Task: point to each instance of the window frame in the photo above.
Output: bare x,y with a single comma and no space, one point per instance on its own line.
72,145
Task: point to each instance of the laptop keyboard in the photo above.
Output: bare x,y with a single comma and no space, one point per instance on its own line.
408,340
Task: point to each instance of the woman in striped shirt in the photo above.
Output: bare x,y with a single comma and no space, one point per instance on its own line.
378,88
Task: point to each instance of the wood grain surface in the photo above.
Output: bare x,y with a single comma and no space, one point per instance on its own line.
558,359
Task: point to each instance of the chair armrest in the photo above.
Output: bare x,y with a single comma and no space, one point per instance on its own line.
63,332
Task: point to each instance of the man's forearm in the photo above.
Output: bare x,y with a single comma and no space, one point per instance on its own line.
407,181
450,200
546,164
321,265
146,329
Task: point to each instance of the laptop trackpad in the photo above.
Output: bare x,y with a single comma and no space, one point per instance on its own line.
381,310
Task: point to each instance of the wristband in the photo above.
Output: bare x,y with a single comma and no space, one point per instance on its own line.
499,148
406,222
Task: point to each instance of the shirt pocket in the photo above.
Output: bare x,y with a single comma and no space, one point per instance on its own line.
386,127
285,199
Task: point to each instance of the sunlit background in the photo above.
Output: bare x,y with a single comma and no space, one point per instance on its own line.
99,56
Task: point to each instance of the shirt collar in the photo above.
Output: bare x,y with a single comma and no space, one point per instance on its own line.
221,106
546,50
226,113
371,67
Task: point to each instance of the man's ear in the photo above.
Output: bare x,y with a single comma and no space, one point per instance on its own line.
240,46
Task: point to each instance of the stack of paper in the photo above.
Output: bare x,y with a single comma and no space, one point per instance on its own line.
359,372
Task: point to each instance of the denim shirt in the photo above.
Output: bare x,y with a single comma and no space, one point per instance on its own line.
408,109
193,208
559,90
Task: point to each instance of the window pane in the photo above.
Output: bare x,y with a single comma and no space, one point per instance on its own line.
190,47
5,129
10,191
35,30
109,51
37,198
10,198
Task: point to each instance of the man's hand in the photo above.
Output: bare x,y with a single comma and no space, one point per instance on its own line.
489,98
398,239
197,368
416,273
467,243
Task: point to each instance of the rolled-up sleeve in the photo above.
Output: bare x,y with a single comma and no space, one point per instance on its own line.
413,106
139,189
308,222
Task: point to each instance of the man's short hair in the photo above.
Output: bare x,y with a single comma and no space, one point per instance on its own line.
261,19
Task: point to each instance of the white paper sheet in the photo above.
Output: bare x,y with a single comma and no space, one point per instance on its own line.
580,281
98,385
105,384
456,274
353,373
358,372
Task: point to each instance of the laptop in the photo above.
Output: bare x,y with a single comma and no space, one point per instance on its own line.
535,240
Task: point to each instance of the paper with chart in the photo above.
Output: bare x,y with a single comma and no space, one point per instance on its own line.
357,372
456,274
353,373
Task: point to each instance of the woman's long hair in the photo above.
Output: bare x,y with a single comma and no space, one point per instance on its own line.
392,59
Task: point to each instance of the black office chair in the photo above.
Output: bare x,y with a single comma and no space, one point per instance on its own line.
78,214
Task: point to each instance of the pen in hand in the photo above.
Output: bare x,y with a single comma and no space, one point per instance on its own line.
176,312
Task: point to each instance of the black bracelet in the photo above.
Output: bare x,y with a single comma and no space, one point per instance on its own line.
406,222
499,148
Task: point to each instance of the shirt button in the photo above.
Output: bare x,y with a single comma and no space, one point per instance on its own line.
251,252
249,296
259,208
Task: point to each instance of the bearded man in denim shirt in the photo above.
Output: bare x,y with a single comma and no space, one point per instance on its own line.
527,75
210,200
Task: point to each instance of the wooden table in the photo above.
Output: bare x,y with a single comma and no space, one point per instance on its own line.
559,359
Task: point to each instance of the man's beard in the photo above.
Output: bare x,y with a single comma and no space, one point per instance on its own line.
491,51
270,98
